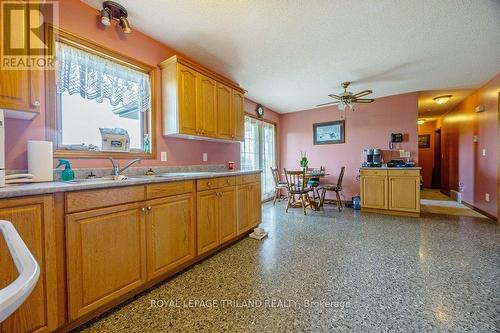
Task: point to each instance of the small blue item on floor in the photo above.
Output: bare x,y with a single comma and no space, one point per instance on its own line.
356,202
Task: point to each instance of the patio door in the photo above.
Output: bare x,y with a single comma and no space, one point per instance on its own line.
258,151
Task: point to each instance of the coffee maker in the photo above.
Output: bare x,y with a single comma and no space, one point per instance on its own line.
372,158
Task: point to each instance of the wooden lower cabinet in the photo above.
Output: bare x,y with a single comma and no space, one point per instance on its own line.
395,191
170,225
227,214
207,220
249,205
374,192
106,255
33,218
405,194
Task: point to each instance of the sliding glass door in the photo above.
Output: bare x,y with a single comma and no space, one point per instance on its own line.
259,151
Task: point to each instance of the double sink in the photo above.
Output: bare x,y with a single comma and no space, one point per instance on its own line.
164,175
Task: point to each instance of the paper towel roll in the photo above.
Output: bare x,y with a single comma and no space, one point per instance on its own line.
40,162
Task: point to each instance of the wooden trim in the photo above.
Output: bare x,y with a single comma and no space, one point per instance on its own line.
389,212
203,70
480,211
51,117
498,161
261,119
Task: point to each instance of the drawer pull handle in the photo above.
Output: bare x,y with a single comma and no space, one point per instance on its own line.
209,184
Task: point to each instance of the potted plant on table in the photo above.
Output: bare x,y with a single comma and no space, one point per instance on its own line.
303,160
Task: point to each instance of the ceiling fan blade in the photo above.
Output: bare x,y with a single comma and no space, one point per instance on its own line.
363,93
330,103
363,100
334,96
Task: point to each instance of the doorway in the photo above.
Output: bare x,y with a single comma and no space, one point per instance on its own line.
436,170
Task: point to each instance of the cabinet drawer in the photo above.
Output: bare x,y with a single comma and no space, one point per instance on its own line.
211,183
167,189
246,179
404,173
371,172
85,200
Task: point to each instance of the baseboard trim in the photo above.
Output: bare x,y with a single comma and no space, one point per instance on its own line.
480,211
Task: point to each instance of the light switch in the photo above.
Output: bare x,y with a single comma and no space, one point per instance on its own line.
163,156
487,197
484,152
205,157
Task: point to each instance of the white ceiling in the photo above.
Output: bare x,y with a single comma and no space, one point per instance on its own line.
289,54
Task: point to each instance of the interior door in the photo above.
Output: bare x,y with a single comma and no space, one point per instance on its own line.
207,106
207,220
227,213
436,171
187,100
171,234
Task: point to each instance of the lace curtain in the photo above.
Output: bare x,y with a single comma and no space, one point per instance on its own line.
93,77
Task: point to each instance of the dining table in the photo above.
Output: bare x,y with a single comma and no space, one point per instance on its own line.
315,202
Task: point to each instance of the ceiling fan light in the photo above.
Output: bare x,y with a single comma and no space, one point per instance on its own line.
442,99
341,106
421,121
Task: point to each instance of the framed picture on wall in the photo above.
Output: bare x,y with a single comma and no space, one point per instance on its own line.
329,132
424,141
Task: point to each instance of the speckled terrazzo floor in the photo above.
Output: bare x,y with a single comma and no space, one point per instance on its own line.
331,271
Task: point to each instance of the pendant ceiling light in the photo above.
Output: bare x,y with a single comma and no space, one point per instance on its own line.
442,99
114,11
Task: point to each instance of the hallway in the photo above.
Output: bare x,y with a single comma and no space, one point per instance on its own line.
434,202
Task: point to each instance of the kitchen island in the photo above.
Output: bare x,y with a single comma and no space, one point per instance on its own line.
393,191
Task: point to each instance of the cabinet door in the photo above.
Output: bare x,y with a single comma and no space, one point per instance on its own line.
255,208
207,220
170,229
227,213
19,88
106,255
187,100
374,192
225,117
243,204
33,219
239,116
404,194
207,106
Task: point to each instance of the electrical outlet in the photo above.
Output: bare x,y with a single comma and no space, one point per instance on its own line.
487,197
484,152
205,157
163,156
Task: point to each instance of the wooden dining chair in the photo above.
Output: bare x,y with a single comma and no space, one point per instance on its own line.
279,185
337,188
313,182
297,186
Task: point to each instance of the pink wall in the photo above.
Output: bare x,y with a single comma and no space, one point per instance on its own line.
463,162
137,46
370,125
426,155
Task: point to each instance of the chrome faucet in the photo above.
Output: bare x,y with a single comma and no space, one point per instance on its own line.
116,167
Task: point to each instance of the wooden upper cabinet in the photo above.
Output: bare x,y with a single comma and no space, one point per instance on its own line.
207,106
20,89
200,103
239,116
170,233
106,255
33,218
188,121
225,119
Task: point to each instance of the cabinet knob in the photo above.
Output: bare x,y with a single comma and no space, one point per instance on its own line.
149,207
36,103
143,209
209,184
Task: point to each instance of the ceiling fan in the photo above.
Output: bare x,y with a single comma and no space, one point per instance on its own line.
346,99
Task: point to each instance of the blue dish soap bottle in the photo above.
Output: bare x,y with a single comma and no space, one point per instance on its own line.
67,173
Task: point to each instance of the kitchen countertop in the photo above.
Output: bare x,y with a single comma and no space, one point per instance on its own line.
390,168
11,191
